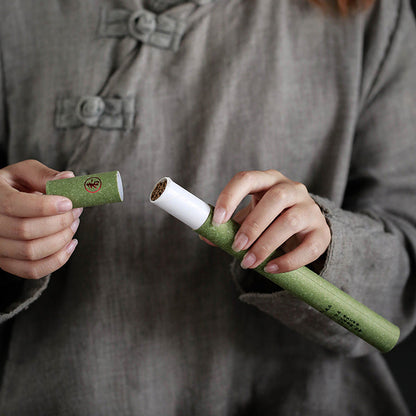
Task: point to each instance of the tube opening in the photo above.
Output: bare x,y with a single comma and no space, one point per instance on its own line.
158,189
120,186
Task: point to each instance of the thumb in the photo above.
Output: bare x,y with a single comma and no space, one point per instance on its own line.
32,175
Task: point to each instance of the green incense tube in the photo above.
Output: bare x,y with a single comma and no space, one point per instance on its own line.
303,282
89,190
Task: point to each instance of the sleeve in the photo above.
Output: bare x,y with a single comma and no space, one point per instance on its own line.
372,255
15,294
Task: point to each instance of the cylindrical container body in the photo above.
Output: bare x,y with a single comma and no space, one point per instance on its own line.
315,291
303,282
89,190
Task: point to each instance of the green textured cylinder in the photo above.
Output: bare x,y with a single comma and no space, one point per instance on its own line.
89,190
315,291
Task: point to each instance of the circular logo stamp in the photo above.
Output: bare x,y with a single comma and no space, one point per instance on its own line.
93,185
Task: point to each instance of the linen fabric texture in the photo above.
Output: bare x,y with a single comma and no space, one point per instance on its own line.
144,319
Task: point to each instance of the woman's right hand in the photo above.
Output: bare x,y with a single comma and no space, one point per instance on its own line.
36,230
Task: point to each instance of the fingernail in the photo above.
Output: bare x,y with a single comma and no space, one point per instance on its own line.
76,212
74,226
71,246
63,205
248,260
64,174
219,216
240,242
271,268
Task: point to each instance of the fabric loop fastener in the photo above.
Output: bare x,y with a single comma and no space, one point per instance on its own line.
95,111
162,31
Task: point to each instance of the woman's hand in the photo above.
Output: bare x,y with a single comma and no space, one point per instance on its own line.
36,230
281,214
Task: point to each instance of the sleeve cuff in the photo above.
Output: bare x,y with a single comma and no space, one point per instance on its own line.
30,291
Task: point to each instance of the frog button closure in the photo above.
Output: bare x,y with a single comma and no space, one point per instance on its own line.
89,110
162,31
95,111
141,24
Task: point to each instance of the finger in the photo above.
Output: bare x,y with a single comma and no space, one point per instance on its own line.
291,222
33,228
28,205
310,249
241,185
37,249
39,268
277,199
31,175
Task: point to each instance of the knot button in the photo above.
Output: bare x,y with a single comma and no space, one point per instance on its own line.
89,110
142,23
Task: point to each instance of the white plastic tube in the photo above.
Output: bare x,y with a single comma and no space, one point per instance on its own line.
180,203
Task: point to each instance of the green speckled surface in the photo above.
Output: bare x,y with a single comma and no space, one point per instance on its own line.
316,291
88,190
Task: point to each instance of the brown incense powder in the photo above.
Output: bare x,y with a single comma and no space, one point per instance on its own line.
158,189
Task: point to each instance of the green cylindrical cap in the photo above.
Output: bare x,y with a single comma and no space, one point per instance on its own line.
89,190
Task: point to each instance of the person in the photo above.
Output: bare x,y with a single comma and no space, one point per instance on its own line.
309,112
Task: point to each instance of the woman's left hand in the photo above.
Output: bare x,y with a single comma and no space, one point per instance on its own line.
281,214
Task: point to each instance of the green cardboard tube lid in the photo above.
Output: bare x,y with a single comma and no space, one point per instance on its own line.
89,190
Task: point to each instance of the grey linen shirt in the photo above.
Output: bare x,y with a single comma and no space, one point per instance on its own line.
147,320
